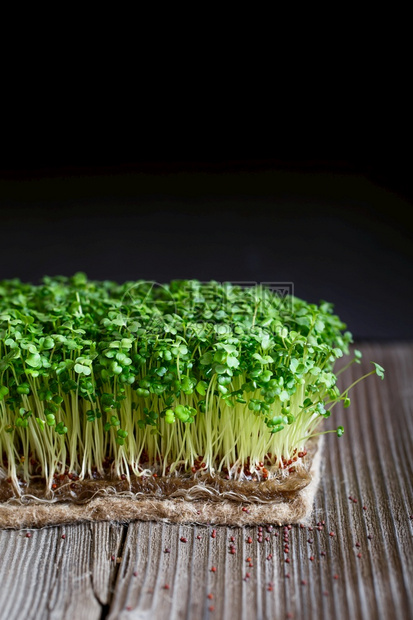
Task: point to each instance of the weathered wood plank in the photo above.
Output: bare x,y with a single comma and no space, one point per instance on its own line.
27,572
48,577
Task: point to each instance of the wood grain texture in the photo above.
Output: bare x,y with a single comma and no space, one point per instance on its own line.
48,576
112,571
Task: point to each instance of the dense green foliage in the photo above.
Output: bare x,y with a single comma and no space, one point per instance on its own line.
161,377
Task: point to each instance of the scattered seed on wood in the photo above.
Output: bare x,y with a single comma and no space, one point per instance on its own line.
183,539
303,582
63,536
166,586
249,540
214,534
167,550
335,576
332,534
287,575
28,535
135,574
287,560
358,544
310,541
213,569
210,596
369,536
211,608
199,537
359,555
311,558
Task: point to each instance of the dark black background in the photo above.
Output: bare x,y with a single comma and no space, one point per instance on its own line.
339,228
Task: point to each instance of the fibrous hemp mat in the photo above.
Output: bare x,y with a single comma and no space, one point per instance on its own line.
174,499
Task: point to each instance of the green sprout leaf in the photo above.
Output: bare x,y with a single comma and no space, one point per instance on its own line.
82,370
61,429
34,360
40,422
379,370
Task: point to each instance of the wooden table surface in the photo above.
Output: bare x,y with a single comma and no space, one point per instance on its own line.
364,570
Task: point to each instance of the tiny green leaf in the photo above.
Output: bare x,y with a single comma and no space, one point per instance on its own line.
82,370
379,370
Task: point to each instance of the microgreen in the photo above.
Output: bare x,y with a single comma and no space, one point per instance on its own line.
186,376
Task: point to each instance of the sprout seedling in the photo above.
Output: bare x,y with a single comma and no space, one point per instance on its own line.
188,377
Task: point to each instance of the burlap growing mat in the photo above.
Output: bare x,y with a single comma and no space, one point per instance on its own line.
280,501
